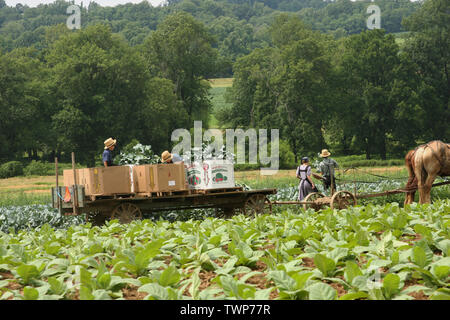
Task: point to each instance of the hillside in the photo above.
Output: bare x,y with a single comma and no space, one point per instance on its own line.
239,26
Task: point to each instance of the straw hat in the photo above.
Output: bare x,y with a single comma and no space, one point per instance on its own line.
325,153
166,156
109,143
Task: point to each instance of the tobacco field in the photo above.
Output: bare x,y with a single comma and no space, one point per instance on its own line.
375,251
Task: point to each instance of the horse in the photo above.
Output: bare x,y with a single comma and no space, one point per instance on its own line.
424,164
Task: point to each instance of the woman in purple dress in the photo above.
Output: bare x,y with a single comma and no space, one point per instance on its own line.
306,185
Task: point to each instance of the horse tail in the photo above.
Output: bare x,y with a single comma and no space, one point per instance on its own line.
409,163
419,169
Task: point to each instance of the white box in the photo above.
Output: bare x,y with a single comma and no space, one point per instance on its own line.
194,175
218,174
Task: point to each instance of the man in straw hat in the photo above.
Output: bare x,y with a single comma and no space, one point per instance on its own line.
326,168
168,157
107,157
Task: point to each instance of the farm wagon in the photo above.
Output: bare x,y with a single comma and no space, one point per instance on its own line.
128,207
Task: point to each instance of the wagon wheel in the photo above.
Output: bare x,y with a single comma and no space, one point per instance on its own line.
313,197
254,205
126,212
342,199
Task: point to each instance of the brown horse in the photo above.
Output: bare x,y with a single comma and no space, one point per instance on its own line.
424,163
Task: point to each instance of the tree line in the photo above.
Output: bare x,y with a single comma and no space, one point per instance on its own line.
361,93
364,93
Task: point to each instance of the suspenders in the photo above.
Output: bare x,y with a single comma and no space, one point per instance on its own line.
303,170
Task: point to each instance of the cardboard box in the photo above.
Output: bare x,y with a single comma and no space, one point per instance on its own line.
102,181
159,177
210,174
68,176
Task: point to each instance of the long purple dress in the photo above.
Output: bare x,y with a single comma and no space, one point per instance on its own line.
304,187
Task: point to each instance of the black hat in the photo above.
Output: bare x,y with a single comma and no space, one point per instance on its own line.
305,159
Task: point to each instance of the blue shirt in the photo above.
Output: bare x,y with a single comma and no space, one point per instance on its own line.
176,158
107,156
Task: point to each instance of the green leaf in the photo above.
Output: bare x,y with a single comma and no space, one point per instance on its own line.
247,276
428,277
155,291
395,258
229,286
419,257
57,287
444,246
337,254
378,263
210,294
86,278
118,282
104,281
351,271
52,248
417,288
376,294
283,281
216,253
391,285
321,291
263,294
441,272
441,294
86,293
354,296
101,295
428,252
228,267
301,279
423,230
195,285
144,256
3,283
215,240
360,282
30,293
27,272
326,265
400,220
169,277
7,295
